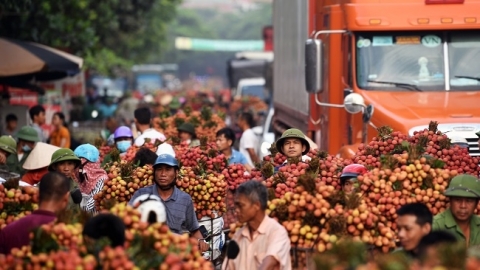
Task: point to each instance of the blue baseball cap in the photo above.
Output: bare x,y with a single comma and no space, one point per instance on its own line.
167,160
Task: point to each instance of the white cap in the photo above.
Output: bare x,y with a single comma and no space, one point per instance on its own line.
165,148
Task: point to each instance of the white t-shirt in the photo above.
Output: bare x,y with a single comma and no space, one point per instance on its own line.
150,133
248,140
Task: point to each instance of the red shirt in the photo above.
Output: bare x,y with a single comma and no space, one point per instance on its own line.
16,234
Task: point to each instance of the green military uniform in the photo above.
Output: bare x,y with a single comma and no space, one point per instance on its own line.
65,154
445,221
26,133
466,186
15,165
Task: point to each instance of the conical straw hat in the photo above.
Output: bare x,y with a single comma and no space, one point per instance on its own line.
40,156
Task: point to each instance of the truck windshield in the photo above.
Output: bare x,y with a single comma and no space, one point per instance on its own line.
417,60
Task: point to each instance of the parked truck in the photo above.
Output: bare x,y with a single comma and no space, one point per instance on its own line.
344,68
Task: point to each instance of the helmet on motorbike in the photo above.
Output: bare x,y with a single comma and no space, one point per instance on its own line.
165,148
352,171
145,197
151,208
122,132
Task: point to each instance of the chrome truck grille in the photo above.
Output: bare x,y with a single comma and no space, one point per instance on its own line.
473,147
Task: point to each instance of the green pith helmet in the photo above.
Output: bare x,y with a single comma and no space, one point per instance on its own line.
63,154
464,185
28,134
292,133
187,127
8,144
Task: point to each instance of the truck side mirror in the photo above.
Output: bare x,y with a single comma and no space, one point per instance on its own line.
313,66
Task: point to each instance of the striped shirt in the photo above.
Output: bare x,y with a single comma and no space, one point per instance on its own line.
90,205
181,216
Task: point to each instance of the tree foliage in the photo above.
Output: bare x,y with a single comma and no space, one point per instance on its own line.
242,25
121,30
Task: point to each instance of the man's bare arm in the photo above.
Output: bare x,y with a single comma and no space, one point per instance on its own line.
269,263
253,155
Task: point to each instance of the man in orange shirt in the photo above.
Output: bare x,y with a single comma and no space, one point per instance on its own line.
60,136
264,243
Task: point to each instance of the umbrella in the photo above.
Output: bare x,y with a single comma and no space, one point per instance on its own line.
22,61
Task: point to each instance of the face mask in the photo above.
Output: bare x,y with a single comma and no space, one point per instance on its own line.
123,146
26,148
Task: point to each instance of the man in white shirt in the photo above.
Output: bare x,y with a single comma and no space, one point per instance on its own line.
142,123
249,140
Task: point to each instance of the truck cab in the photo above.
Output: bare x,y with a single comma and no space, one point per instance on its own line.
399,63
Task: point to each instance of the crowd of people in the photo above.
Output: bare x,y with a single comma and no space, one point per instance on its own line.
69,178
37,160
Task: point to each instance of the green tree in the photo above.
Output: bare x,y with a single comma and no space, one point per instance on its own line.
241,25
117,29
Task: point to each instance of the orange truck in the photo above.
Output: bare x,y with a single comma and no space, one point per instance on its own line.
345,67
